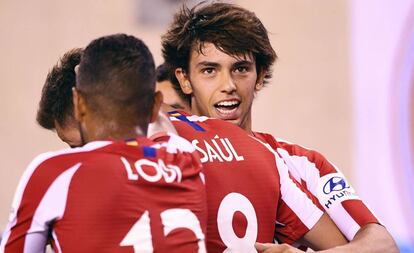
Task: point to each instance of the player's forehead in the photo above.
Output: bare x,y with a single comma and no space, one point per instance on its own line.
169,94
208,53
163,85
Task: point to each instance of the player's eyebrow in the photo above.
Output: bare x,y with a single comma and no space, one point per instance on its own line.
207,64
243,63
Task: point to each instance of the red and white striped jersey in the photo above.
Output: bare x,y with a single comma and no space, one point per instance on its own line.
131,196
326,183
248,187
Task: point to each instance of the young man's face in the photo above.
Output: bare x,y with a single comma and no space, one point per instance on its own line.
222,86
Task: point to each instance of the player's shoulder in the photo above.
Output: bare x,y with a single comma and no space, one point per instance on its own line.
53,157
171,142
291,148
299,153
51,164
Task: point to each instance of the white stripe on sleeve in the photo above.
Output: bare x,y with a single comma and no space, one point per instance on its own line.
51,207
293,196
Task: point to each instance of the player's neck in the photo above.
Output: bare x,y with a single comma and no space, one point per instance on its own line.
106,132
246,125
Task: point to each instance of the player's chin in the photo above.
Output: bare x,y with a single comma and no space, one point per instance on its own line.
231,119
236,122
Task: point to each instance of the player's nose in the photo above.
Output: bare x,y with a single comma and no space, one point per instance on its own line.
227,83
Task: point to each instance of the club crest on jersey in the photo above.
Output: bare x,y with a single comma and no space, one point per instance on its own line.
333,189
217,149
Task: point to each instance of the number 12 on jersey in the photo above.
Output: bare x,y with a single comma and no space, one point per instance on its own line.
140,237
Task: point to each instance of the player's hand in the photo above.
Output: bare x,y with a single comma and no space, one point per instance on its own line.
275,248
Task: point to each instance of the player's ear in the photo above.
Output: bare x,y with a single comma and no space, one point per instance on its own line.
79,107
158,100
260,81
182,78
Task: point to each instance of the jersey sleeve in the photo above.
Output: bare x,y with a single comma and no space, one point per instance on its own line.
296,213
39,199
328,184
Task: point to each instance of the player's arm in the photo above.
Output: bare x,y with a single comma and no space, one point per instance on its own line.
299,219
356,221
358,244
35,241
323,235
35,205
19,235
350,214
370,238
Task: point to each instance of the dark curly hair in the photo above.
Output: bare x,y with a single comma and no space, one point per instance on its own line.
56,104
232,29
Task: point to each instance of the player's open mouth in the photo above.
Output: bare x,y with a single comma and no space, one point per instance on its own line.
227,109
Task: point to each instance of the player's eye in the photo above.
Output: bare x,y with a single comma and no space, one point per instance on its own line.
241,69
208,71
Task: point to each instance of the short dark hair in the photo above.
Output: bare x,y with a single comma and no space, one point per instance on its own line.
163,72
232,29
166,72
56,104
117,78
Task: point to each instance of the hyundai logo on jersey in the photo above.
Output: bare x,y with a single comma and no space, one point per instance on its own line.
333,189
335,184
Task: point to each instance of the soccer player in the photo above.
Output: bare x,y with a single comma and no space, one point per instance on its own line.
222,56
243,203
164,85
241,192
57,114
120,192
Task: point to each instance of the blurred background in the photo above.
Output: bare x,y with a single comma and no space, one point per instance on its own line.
342,84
